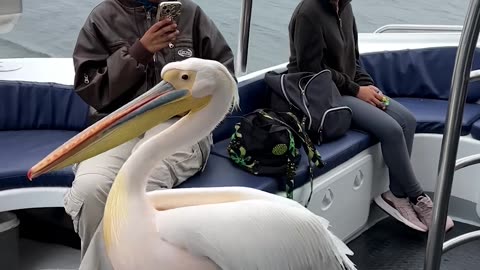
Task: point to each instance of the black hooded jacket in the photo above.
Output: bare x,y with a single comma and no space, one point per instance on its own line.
322,39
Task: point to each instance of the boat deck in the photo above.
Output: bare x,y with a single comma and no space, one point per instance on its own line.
36,255
391,245
387,245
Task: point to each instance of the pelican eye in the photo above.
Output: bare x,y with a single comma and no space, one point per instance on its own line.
184,77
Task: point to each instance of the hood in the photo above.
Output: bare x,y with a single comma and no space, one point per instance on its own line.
332,3
130,3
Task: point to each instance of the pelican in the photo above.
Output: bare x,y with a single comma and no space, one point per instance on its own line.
225,228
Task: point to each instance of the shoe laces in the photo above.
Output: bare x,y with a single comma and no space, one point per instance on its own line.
424,207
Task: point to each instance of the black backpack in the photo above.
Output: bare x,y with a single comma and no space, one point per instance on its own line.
267,143
314,98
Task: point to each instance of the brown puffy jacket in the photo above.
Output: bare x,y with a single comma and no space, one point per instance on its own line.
111,65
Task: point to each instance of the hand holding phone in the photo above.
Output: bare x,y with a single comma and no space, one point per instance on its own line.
160,35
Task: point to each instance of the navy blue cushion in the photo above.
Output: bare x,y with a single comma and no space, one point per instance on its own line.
475,131
220,172
252,96
333,154
30,105
20,150
421,73
431,114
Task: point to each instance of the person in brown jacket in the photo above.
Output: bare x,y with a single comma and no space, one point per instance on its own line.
118,56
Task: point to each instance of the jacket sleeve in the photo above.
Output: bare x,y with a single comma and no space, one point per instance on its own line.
361,76
309,53
210,43
101,78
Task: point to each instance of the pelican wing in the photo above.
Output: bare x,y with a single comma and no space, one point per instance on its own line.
254,234
174,198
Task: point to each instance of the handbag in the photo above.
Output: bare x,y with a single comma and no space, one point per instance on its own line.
266,142
314,98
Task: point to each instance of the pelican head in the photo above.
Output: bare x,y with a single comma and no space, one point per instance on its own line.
190,87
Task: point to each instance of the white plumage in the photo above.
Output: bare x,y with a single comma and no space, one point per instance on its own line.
228,228
255,234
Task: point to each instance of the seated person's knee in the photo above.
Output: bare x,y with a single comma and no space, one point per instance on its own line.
392,131
87,199
90,188
410,119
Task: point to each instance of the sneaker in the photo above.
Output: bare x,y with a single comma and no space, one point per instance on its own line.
401,209
424,209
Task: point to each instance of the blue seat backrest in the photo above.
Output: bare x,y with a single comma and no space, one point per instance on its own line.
32,105
420,73
253,95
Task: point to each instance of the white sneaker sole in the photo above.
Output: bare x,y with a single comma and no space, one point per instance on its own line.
394,213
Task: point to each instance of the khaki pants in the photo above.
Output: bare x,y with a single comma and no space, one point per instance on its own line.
85,201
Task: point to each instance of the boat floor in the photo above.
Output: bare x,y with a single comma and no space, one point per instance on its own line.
387,245
36,255
391,245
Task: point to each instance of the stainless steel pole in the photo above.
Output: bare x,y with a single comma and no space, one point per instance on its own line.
244,36
460,79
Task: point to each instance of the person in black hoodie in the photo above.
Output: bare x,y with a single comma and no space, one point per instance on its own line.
323,35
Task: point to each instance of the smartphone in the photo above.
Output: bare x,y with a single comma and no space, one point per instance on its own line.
170,9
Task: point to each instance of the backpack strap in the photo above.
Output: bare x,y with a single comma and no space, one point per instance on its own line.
312,154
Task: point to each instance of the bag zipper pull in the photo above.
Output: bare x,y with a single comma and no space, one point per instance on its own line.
304,96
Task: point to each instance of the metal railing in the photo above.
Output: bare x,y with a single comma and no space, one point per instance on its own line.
244,36
447,165
418,27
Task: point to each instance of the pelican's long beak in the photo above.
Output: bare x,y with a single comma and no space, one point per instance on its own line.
158,105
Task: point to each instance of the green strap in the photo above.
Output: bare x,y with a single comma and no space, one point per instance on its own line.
312,154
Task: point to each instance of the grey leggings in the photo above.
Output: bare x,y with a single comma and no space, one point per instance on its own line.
395,128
